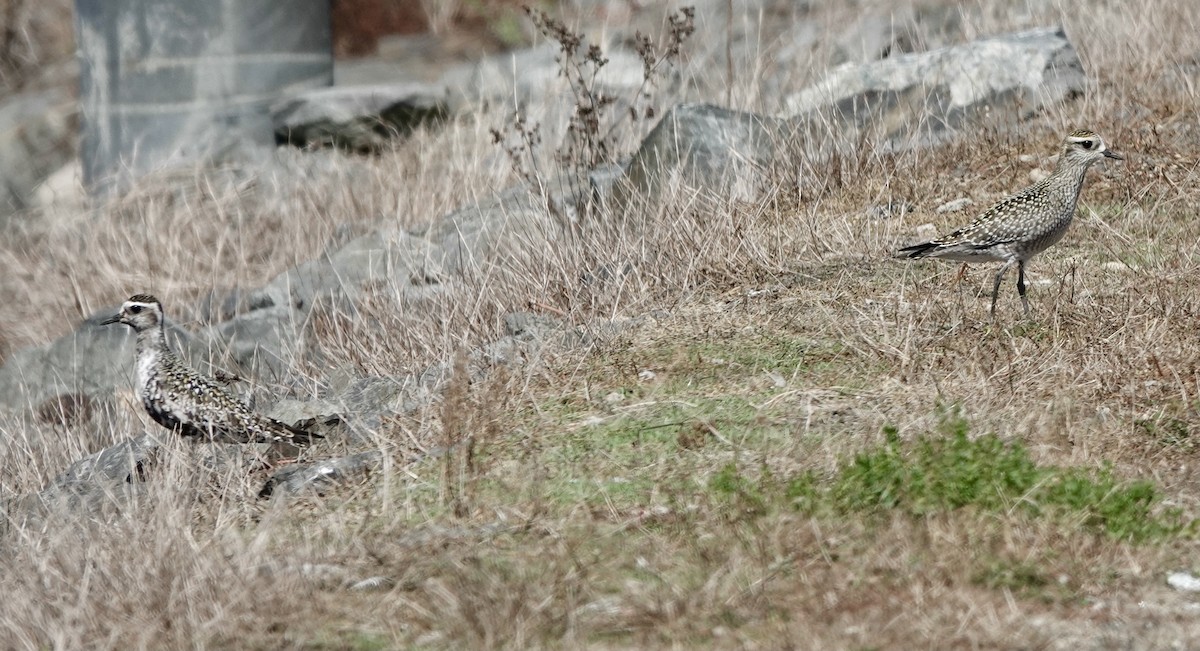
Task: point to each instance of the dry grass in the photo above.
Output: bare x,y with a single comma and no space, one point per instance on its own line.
633,492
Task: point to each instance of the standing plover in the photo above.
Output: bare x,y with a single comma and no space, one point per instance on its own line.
181,399
1024,224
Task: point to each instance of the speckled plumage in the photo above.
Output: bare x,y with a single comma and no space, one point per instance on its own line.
1022,225
181,399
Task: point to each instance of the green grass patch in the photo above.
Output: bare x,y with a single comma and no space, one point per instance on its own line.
948,470
349,641
746,496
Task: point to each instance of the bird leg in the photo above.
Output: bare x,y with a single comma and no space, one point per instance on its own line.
1021,286
962,272
996,285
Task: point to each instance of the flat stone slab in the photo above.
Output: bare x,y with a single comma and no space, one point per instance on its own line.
1013,74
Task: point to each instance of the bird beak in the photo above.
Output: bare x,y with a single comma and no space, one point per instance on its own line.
1108,153
111,319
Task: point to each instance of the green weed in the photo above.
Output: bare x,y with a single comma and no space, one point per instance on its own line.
937,474
946,471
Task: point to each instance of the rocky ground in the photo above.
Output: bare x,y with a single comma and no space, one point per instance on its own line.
642,381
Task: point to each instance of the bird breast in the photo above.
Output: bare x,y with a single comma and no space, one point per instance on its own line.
146,364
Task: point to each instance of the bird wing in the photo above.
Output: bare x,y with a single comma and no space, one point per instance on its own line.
210,411
1011,219
999,224
204,408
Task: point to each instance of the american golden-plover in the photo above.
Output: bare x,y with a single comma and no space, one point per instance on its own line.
183,400
1024,224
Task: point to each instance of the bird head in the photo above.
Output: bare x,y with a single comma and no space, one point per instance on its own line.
1083,147
140,312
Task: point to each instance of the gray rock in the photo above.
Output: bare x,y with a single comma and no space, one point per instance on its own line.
603,182
108,479
133,460
354,405
321,417
124,462
506,351
299,412
519,222
102,483
369,71
263,342
926,94
513,226
221,305
706,146
369,398
358,118
796,45
517,324
220,460
61,505
62,188
339,277
320,477
527,332
500,77
93,359
111,480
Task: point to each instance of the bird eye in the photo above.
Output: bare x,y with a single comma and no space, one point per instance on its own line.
1088,144
135,309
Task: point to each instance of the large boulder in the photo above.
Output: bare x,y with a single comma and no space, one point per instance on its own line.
94,359
125,462
706,146
261,342
924,94
105,482
256,332
340,276
510,227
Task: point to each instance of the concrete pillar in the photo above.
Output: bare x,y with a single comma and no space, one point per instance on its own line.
165,82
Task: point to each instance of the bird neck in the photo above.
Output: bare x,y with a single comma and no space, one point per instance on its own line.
151,341
1069,173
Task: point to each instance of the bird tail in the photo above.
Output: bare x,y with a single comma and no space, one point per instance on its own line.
917,250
